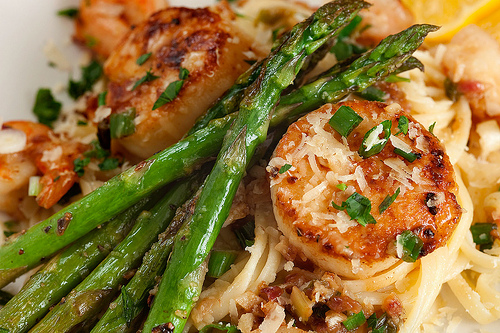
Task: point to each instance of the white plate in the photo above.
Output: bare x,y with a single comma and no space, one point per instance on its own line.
26,26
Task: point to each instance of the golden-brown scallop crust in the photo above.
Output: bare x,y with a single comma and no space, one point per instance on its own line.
417,209
205,41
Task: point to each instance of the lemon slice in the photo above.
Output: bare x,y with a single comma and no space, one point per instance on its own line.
453,15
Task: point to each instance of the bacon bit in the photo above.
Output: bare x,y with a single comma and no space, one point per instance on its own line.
271,293
472,89
63,223
21,251
341,304
392,305
163,328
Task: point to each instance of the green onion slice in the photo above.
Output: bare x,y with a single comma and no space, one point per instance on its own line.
101,98
35,187
358,208
220,262
373,94
410,244
354,321
341,186
122,124
389,199
372,143
344,120
410,157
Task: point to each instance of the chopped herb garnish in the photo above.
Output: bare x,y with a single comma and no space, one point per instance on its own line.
143,58
410,157
481,234
250,62
451,90
79,164
372,143
372,94
381,324
389,199
285,168
8,233
358,208
97,151
220,327
69,12
411,246
146,78
81,123
220,262
403,124
354,321
122,124
341,186
109,163
244,231
172,90
342,50
101,98
46,108
431,128
393,78
90,75
344,120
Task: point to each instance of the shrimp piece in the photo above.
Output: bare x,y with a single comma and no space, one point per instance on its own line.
472,60
321,160
101,24
44,153
384,18
205,42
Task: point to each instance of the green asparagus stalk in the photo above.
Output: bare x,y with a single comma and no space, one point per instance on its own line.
89,297
133,296
181,285
65,271
181,158
25,251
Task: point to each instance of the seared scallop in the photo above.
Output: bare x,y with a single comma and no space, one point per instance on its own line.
335,200
198,51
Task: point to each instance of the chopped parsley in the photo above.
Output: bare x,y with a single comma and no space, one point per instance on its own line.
411,245
284,168
79,165
143,58
481,234
146,78
431,128
68,12
99,153
101,99
403,124
172,90
90,75
46,108
451,90
381,324
389,199
358,208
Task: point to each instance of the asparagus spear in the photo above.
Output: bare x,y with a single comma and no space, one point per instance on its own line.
88,298
64,271
181,285
25,251
133,296
184,156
